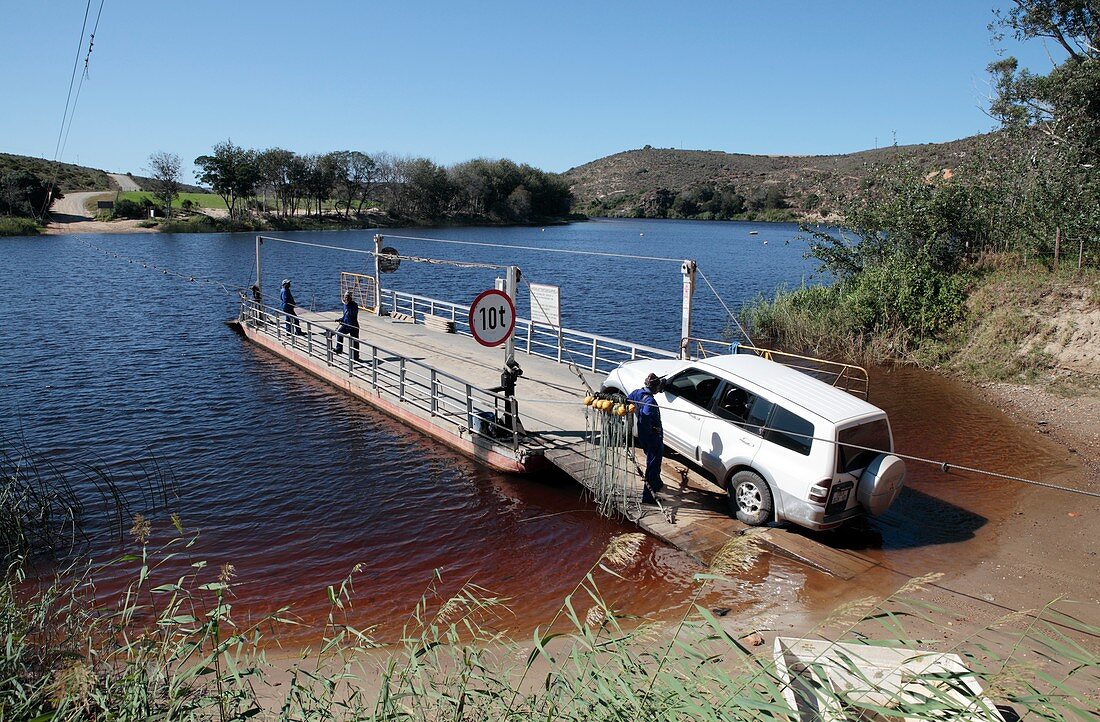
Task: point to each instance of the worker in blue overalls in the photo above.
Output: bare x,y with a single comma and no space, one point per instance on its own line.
650,435
349,326
287,299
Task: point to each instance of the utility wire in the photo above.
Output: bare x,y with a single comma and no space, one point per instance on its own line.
84,76
65,113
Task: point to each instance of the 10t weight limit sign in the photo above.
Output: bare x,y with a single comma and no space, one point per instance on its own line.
492,318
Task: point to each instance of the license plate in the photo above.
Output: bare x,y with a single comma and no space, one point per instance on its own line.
838,499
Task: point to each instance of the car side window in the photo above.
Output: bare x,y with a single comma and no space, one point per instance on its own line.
758,416
789,431
734,404
694,385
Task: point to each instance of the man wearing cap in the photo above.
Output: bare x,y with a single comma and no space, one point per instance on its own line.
287,299
650,435
349,326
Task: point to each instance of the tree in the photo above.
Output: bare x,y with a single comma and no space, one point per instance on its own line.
356,175
23,193
164,168
1052,121
231,172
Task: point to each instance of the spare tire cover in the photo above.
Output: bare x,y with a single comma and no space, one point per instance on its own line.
880,483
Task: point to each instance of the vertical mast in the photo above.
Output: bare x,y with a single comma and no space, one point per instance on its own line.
688,271
511,282
377,274
259,275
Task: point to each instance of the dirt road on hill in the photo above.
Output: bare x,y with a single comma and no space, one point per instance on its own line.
68,215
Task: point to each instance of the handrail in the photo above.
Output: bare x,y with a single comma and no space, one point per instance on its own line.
436,392
585,350
856,380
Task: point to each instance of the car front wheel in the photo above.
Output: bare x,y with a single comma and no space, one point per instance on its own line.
750,499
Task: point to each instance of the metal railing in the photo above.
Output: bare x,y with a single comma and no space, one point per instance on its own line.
444,397
361,288
847,377
587,351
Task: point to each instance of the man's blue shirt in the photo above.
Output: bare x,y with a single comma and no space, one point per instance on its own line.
649,414
351,315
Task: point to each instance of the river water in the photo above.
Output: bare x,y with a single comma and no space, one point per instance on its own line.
294,483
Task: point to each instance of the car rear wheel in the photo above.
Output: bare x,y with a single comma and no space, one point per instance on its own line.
750,499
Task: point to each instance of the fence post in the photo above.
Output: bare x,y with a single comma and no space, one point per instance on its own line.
401,380
470,408
1057,245
374,367
328,347
1080,252
594,342
434,403
513,407
309,338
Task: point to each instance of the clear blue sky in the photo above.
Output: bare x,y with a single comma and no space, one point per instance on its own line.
554,84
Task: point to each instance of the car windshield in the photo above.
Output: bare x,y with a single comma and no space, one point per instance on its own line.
873,435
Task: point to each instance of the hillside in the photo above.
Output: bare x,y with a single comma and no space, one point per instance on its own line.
669,183
69,177
72,177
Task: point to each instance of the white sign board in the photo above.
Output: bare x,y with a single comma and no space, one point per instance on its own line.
546,304
492,318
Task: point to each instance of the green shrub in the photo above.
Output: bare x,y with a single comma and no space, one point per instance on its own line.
887,311
14,226
126,208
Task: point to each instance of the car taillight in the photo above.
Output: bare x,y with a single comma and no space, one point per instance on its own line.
819,492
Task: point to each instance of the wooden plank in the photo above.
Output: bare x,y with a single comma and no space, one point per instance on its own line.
438,323
837,562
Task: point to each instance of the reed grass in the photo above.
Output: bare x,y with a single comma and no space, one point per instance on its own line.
44,502
174,649
171,645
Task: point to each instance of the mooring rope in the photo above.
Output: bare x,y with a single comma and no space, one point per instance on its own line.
543,249
372,252
728,311
944,466
572,363
190,277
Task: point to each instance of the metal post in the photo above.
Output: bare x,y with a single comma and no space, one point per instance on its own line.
688,271
401,380
514,408
470,407
511,281
434,400
378,275
259,276
374,367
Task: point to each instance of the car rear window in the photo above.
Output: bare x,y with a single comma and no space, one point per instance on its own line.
790,431
873,434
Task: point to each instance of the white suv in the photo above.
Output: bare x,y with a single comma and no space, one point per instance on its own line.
784,445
